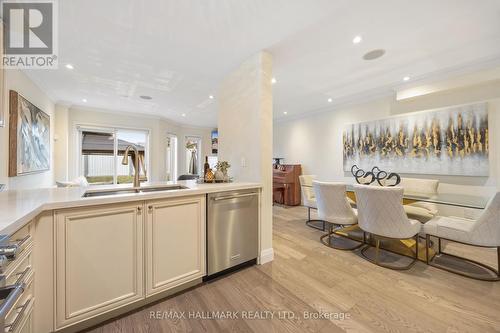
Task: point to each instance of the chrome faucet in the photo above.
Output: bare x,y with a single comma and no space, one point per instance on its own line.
135,158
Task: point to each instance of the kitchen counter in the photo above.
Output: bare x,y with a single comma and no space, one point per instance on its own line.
19,207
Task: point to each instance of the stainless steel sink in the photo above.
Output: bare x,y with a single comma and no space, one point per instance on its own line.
95,193
163,188
90,194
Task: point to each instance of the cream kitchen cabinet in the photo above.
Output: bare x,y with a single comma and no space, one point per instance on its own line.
98,260
175,243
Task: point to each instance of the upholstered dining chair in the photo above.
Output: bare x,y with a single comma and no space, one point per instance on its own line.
309,200
421,211
483,232
334,208
381,214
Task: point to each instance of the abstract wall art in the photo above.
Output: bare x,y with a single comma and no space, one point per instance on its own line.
451,141
29,137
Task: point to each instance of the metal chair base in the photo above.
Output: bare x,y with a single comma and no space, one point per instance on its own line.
377,254
315,224
326,239
430,261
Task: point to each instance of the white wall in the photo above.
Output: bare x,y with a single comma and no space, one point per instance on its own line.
157,127
315,141
245,133
18,81
61,163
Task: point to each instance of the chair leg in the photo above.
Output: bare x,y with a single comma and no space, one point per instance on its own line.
427,245
490,269
416,246
331,244
377,261
310,223
498,263
377,251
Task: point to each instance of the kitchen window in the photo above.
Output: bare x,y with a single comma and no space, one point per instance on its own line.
101,152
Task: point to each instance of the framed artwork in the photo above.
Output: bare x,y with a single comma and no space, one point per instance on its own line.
215,142
449,141
29,137
2,79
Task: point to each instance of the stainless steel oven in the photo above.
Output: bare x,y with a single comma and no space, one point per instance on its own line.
232,229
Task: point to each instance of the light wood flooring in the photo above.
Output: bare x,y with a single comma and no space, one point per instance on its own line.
307,276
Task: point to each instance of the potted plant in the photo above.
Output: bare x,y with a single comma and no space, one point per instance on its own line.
223,166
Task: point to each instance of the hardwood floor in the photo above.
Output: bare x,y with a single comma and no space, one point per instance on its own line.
307,277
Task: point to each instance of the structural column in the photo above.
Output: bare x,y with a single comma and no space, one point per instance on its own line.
245,121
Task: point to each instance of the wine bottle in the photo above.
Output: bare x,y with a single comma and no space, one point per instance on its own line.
206,166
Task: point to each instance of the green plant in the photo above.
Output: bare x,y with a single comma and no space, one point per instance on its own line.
223,166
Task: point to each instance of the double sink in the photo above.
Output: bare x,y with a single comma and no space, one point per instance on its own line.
109,192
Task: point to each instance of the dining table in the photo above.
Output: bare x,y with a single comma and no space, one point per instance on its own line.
408,247
448,199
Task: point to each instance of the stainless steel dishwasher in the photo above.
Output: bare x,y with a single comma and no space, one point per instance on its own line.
232,230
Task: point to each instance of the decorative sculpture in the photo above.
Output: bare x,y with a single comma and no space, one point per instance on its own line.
374,175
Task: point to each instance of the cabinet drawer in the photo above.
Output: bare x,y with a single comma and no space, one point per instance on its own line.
26,325
16,318
23,240
20,269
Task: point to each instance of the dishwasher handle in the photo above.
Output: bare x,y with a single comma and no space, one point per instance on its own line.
235,196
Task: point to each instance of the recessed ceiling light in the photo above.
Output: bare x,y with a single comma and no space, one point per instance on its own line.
285,113
146,97
330,100
84,100
357,40
183,114
211,96
406,78
273,80
69,66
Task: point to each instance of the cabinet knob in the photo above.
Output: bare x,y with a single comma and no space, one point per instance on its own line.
139,209
150,207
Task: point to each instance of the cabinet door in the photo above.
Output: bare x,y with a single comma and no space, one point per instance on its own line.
99,260
175,243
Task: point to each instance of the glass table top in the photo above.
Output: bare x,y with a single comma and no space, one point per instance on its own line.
450,199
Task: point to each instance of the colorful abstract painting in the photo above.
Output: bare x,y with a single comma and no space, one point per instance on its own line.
451,141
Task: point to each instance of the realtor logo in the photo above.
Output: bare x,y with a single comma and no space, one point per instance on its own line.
29,34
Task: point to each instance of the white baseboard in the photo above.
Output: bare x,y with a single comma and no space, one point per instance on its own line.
266,256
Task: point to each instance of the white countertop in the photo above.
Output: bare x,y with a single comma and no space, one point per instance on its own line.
19,207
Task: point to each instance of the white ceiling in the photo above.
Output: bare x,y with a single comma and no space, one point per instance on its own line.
178,51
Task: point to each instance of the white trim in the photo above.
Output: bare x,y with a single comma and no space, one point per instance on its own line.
266,256
175,156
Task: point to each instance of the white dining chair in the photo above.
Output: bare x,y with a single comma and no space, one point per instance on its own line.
309,200
483,232
381,214
421,211
334,208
